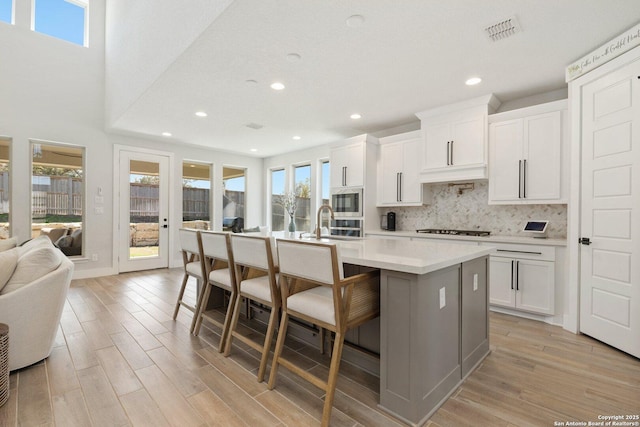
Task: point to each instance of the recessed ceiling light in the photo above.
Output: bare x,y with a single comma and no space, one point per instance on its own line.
473,81
293,57
167,134
355,21
296,137
201,114
355,116
277,86
253,150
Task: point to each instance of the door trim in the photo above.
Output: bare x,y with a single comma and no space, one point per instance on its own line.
117,150
571,321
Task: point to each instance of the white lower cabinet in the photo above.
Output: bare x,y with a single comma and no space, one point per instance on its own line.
523,278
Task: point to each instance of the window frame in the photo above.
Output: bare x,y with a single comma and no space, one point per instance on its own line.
83,255
9,142
210,166
84,4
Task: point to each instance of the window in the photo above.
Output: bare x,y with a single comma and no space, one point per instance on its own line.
233,212
302,190
324,190
64,19
57,194
277,190
196,192
5,196
6,11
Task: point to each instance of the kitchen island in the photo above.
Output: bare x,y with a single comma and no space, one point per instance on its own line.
433,318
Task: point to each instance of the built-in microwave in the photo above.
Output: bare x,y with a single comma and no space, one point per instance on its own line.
347,202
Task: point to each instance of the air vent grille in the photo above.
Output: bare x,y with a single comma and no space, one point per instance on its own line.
255,126
503,29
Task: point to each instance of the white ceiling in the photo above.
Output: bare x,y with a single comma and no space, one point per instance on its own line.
407,56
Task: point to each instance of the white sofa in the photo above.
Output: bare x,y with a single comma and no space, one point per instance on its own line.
34,280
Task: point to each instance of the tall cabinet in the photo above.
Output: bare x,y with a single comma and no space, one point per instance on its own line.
528,155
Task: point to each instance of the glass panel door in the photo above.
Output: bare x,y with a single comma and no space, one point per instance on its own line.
144,220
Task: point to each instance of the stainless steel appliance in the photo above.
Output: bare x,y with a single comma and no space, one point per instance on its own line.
347,227
454,232
347,202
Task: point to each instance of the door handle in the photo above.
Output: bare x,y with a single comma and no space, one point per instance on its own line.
344,176
451,154
584,241
517,275
399,186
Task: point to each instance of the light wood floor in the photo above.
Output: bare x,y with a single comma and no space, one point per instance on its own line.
119,359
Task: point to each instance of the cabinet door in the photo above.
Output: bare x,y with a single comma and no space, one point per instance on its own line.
543,154
468,141
347,166
390,168
411,188
505,157
436,151
535,286
501,284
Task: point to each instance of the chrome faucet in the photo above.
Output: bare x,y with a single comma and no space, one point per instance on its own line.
320,209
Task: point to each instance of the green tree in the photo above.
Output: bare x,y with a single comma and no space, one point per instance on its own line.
303,189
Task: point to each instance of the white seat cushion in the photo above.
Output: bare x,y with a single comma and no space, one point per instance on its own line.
257,287
194,269
221,278
315,302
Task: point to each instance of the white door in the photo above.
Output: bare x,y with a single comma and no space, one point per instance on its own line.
467,141
610,211
411,162
144,211
390,167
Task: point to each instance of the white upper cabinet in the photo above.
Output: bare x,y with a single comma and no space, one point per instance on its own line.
455,140
399,167
526,155
347,165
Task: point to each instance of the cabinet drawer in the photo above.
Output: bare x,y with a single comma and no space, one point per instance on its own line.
508,250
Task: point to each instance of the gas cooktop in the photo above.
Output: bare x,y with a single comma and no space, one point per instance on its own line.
453,232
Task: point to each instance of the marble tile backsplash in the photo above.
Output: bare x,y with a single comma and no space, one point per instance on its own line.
468,210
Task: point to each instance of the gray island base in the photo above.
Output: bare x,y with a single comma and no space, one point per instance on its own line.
434,319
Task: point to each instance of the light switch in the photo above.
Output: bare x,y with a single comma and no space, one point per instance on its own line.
475,282
99,210
443,299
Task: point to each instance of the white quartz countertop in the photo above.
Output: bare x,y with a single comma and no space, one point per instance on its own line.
407,256
481,239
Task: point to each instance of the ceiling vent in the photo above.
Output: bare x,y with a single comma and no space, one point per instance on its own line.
254,126
503,29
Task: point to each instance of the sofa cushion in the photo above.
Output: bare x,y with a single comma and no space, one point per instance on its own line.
8,262
34,243
33,265
6,244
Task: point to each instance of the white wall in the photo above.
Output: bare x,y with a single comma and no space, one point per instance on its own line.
53,90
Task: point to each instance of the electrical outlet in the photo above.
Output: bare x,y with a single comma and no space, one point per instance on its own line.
443,299
475,282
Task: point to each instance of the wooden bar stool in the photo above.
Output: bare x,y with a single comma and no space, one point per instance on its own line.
257,280
192,263
218,269
314,289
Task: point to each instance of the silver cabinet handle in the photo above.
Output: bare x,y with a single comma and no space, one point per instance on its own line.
517,275
451,154
400,186
524,179
448,144
397,186
519,179
512,270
